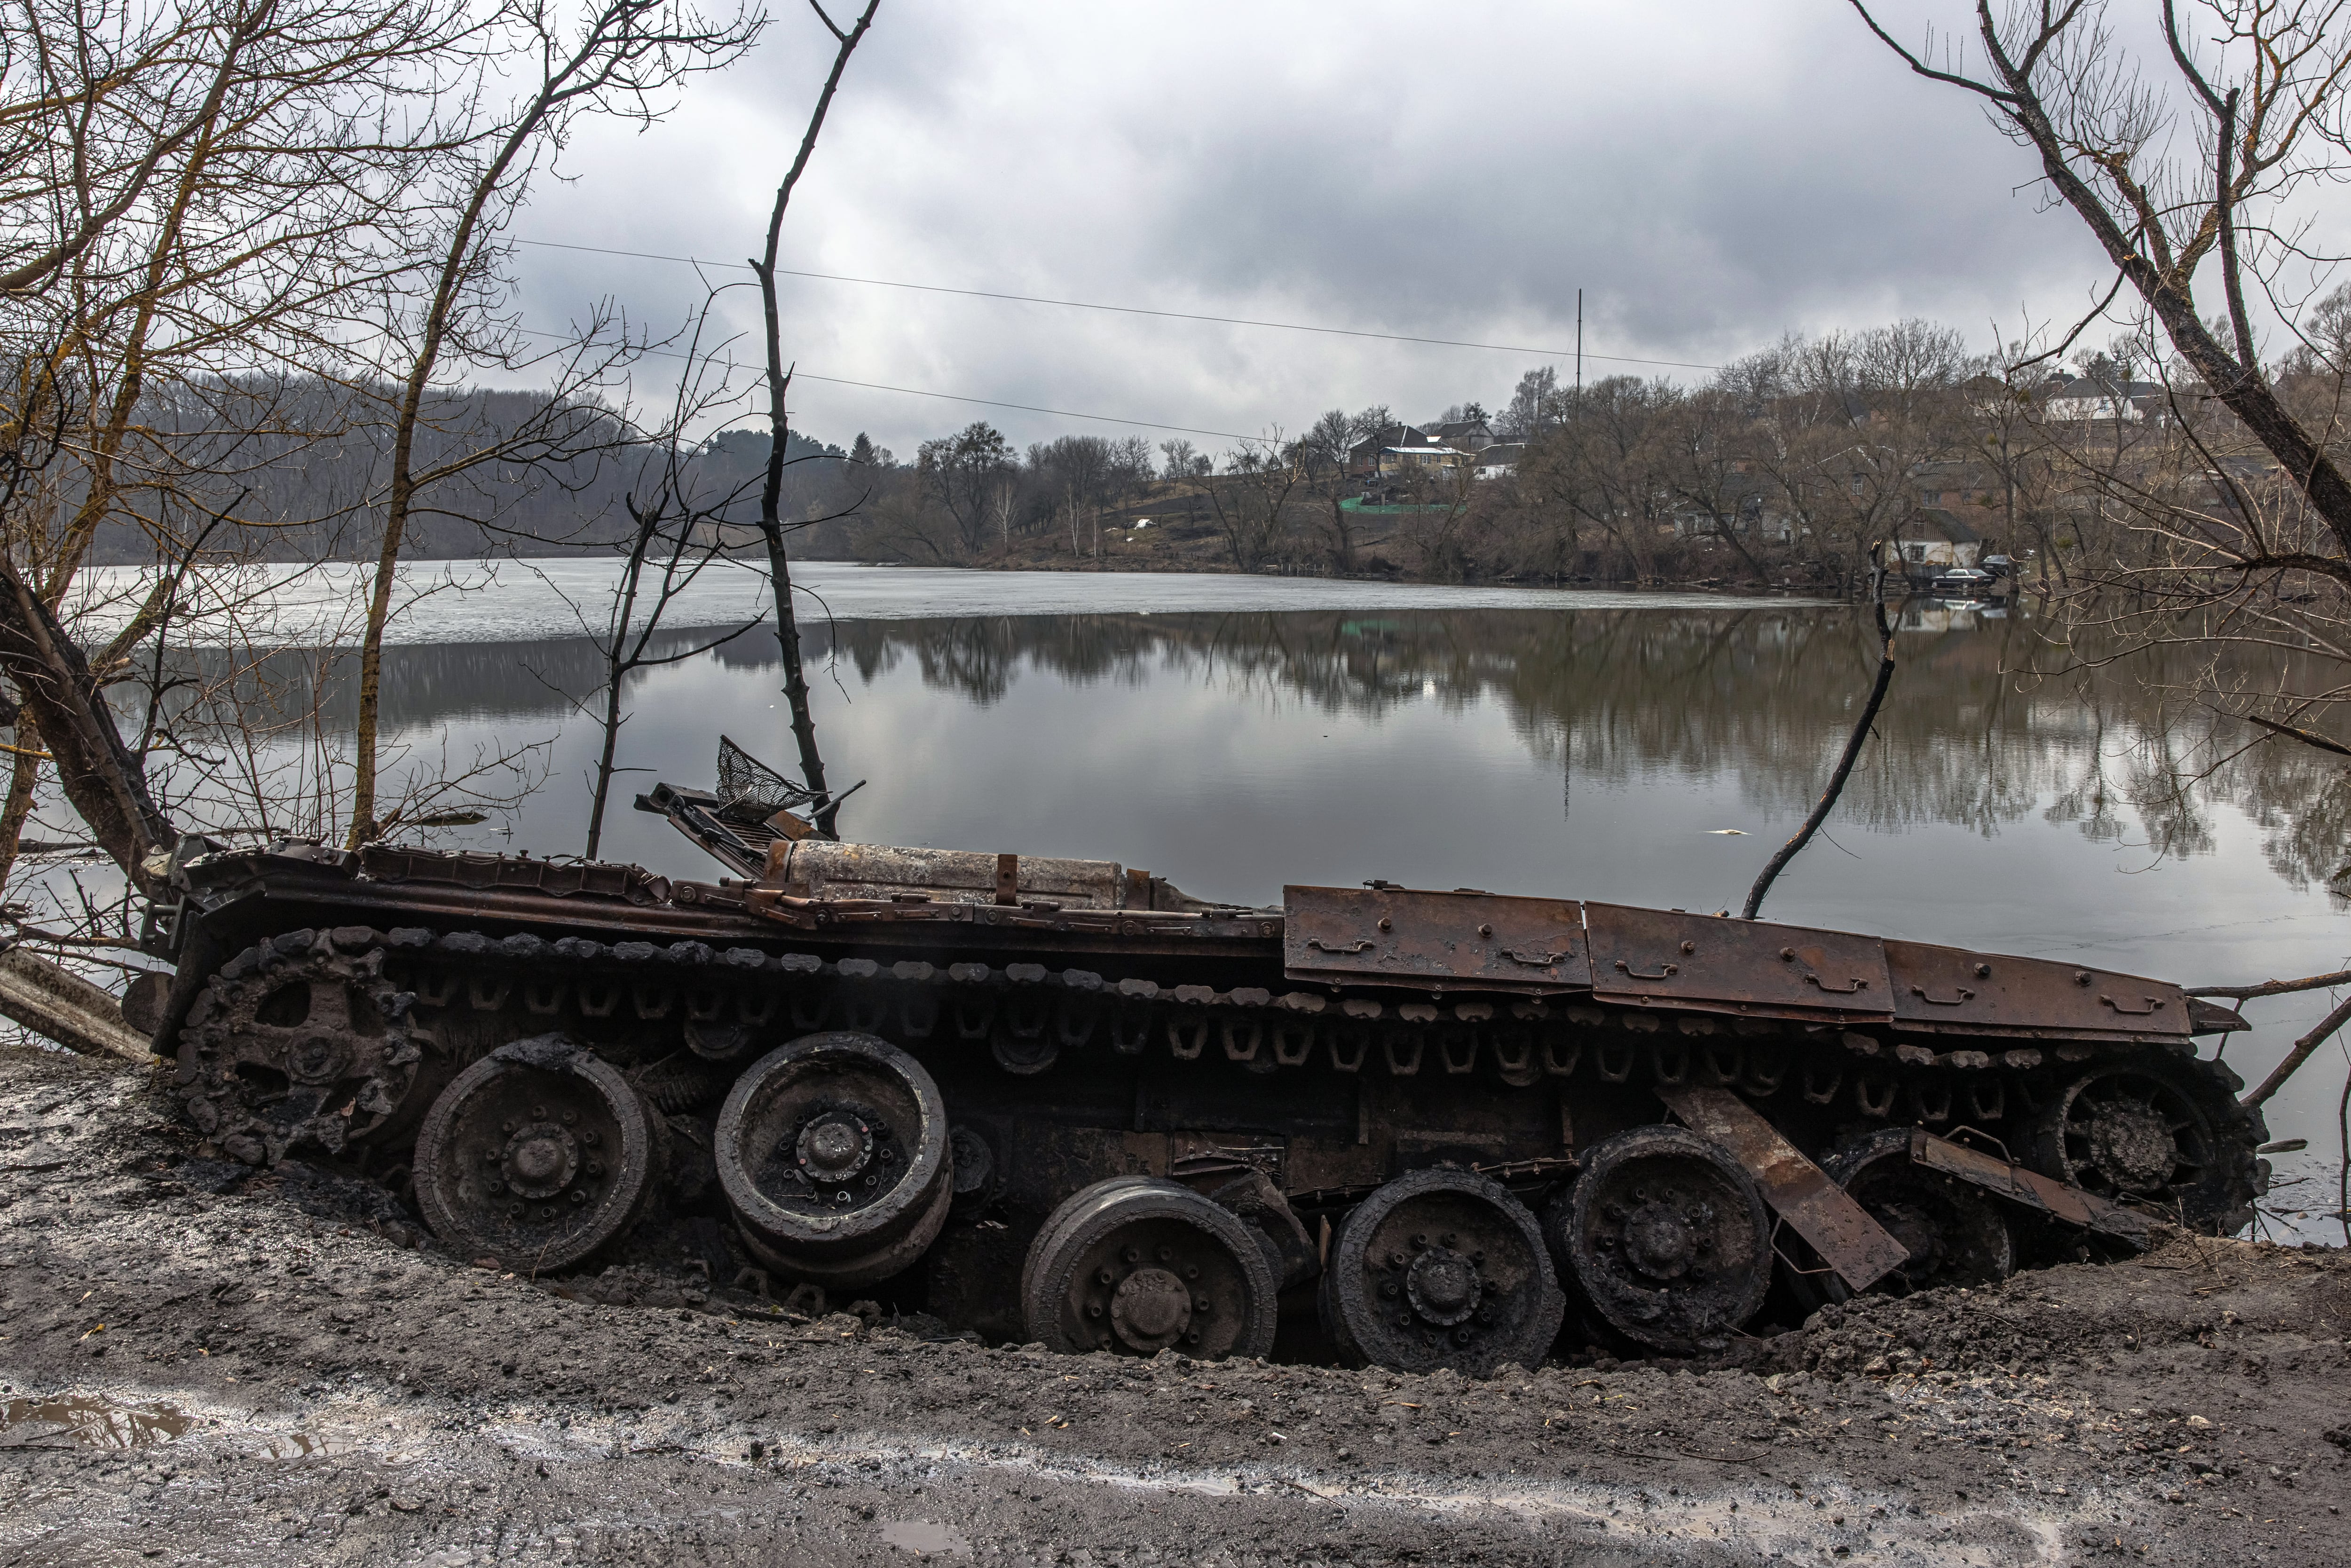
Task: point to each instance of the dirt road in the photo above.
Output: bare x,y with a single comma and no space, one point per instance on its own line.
201,1365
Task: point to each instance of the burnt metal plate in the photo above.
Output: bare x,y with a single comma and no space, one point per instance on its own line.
1939,986
1434,941
1848,1239
1738,965
2055,1199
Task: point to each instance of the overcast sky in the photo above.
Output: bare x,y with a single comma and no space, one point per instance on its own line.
1709,173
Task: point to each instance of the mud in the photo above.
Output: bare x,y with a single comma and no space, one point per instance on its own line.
202,1365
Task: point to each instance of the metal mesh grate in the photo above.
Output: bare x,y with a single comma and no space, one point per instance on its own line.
744,781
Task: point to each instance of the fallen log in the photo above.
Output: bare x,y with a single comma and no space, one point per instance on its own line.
59,1005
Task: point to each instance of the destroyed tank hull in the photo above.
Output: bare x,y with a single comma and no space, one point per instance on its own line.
1064,1102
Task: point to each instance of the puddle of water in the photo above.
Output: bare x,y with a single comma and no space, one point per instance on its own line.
923,1538
84,1422
303,1446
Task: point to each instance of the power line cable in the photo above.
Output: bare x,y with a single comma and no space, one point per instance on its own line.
1129,310
945,397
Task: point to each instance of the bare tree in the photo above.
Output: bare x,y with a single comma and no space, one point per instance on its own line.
1326,446
200,195
1252,497
780,381
2259,90
622,58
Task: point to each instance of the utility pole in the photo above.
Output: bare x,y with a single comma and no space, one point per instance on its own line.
1579,346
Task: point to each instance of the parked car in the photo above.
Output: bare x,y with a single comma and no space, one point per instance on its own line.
1962,581
2000,566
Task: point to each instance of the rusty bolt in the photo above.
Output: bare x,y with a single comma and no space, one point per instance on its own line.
1485,931
1689,946
2081,976
1386,924
1983,971
1788,955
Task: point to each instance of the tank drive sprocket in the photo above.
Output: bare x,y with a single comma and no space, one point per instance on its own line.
2161,1132
301,1043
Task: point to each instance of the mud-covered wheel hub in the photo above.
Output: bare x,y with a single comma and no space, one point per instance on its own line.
1441,1269
1151,1309
1667,1237
833,1152
2132,1146
297,1046
2167,1135
539,1156
1135,1265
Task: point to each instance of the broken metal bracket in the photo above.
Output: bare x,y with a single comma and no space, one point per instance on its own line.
1844,1233
2057,1199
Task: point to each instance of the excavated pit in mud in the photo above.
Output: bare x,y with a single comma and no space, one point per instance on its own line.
202,1364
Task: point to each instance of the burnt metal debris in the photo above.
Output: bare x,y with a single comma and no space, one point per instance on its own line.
1064,1101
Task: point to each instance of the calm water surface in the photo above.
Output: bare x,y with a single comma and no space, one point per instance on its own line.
1235,734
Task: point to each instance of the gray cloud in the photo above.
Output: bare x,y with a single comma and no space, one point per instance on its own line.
1710,174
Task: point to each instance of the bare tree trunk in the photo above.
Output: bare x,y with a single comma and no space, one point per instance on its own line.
771,528
1827,803
615,669
97,771
24,778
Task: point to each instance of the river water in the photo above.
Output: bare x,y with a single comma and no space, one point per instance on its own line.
1234,734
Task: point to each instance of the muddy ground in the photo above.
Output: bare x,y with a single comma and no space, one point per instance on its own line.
202,1365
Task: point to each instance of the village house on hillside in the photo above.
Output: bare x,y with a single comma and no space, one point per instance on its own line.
1499,459
2076,400
1465,434
1363,457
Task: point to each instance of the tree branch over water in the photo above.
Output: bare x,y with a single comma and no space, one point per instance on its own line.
1853,745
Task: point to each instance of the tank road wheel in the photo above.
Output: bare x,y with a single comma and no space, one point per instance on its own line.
1667,1236
1955,1231
1136,1265
1441,1269
538,1155
832,1151
2168,1133
297,1046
